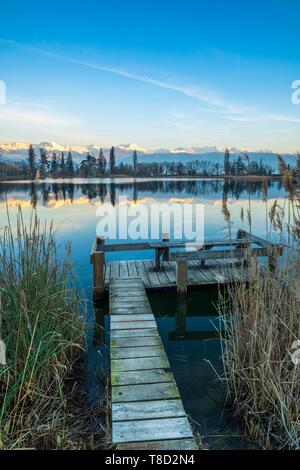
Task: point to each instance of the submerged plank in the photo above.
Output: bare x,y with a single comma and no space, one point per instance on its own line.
151,430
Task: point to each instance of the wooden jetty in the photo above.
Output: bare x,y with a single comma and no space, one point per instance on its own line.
147,412
215,262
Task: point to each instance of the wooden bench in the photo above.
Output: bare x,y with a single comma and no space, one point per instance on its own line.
239,248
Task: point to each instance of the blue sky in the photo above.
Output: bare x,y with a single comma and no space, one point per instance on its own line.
155,73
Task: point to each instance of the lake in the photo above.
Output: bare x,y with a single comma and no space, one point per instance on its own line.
185,329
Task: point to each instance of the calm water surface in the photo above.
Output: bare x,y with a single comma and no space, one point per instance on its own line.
187,330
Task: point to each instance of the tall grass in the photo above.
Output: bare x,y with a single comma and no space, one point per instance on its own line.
43,332
263,382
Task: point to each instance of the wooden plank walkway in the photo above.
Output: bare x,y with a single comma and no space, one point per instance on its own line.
214,272
147,411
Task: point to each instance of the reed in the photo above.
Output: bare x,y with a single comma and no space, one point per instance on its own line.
262,321
43,331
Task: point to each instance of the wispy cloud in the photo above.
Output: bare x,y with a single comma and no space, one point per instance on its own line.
197,92
229,110
25,116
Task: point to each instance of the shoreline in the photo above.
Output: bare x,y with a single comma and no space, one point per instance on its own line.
147,178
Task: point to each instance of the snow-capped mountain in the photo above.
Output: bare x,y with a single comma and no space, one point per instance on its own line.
18,152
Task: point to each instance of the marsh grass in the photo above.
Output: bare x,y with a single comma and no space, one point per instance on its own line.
43,330
262,318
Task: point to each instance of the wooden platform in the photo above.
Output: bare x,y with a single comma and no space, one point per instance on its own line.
147,411
214,272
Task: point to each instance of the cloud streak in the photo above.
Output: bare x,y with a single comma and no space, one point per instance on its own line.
196,92
228,110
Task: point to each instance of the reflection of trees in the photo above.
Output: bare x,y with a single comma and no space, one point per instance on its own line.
221,188
135,192
33,195
45,190
112,194
70,191
55,190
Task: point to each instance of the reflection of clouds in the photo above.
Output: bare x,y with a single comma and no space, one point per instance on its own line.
183,200
51,203
136,202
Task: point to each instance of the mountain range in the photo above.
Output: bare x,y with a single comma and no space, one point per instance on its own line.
17,152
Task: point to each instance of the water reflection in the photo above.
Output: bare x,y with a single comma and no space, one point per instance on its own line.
47,193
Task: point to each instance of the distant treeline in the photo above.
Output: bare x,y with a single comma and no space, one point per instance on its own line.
62,165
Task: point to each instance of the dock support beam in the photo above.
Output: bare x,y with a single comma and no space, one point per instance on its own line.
181,278
98,269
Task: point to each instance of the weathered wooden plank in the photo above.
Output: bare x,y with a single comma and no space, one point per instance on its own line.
142,273
139,363
142,392
129,280
174,444
132,325
132,269
162,277
107,273
119,283
133,333
125,302
203,274
131,309
141,377
151,271
135,342
123,269
134,318
150,430
169,270
216,254
114,269
147,410
120,293
198,272
142,351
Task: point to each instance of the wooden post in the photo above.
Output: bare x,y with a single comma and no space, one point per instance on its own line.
202,262
98,261
157,258
166,238
181,278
